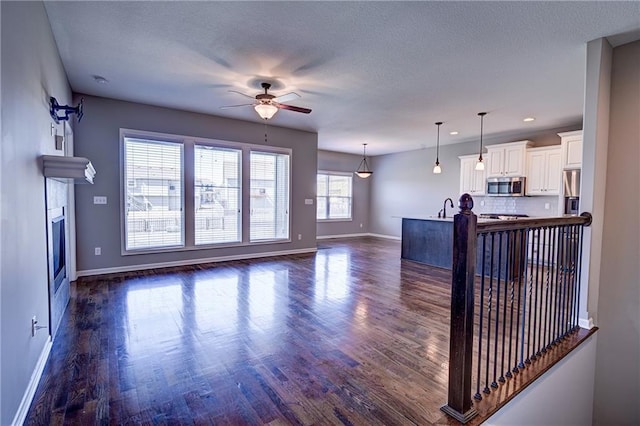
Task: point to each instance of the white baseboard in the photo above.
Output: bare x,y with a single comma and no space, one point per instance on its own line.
328,237
128,268
29,393
386,237
586,323
366,234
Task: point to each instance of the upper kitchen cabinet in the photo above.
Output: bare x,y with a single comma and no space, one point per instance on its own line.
571,143
544,170
507,159
472,181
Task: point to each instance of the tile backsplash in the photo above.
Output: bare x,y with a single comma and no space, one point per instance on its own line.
532,206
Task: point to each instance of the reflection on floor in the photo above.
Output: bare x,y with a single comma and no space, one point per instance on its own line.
349,335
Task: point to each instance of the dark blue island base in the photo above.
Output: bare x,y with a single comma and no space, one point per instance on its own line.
430,241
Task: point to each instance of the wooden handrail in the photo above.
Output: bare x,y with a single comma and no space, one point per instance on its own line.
533,222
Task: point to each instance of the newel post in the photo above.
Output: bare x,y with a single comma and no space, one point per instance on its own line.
459,403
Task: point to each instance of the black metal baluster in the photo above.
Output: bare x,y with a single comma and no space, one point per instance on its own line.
533,348
570,281
522,308
553,281
494,383
489,307
516,266
478,396
574,279
507,279
530,291
563,286
558,289
544,298
580,240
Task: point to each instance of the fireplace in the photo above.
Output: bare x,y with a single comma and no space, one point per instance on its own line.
58,254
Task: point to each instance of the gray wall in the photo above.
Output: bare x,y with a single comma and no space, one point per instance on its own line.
562,396
341,162
403,185
31,72
617,381
97,138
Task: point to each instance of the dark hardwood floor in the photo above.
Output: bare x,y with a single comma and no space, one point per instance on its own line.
349,335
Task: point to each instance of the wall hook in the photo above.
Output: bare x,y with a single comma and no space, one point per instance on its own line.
68,110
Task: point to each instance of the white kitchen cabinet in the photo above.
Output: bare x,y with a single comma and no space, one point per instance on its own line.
544,171
507,159
472,181
571,143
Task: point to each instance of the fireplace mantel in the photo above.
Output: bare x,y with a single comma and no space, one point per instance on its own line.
75,169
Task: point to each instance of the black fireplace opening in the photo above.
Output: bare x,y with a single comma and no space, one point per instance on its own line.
59,255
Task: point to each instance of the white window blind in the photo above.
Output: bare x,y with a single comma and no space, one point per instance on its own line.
269,196
153,202
334,196
217,195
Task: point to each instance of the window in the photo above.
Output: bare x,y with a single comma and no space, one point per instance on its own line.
217,195
183,193
334,196
269,196
153,207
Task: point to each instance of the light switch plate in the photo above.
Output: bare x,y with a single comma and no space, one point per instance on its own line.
308,201
99,200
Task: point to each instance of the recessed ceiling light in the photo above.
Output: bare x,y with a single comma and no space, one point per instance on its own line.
528,119
100,79
453,133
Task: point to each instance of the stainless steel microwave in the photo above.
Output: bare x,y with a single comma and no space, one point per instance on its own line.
506,186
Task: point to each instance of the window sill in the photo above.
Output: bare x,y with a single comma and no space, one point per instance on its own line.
202,247
333,220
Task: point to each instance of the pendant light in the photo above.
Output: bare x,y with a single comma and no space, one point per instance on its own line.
437,169
363,169
480,163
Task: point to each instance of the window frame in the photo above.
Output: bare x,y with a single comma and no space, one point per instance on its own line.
328,204
188,190
228,147
260,150
124,185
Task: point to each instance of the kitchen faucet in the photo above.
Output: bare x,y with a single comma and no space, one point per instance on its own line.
444,209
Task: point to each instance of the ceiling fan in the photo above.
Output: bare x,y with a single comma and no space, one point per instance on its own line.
266,104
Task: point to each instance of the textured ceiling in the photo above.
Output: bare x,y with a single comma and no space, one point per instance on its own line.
375,72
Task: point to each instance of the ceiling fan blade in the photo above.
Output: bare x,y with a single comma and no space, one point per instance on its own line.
294,108
243,94
286,97
235,106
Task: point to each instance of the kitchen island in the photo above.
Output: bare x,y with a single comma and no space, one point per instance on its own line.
430,241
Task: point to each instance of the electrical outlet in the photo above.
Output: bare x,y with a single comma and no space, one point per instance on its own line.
482,203
546,206
299,237
360,225
97,251
35,327
308,201
99,200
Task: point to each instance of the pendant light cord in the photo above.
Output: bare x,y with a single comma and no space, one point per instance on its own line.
439,123
481,114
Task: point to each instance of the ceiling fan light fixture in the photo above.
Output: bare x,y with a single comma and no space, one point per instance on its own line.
480,163
266,111
363,169
437,169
